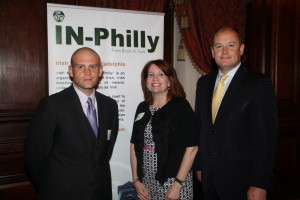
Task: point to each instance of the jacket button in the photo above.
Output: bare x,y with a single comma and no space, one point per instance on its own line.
214,132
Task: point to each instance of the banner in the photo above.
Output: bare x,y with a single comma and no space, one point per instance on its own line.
126,41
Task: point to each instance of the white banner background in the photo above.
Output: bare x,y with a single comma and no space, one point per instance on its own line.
122,63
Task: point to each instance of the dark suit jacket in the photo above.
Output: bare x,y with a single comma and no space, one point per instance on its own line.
63,158
238,150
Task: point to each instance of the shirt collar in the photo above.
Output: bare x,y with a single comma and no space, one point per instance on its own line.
83,97
231,73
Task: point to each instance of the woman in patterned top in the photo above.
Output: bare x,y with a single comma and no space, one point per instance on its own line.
164,142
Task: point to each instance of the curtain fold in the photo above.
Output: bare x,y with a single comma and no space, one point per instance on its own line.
140,5
206,17
195,38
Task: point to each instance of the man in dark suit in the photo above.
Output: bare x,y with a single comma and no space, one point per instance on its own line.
66,155
238,132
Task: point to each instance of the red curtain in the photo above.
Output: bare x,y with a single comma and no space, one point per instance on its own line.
141,5
205,18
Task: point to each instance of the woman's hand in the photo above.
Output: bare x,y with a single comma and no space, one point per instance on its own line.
198,175
141,191
173,193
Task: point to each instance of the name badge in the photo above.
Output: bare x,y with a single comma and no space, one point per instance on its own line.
139,116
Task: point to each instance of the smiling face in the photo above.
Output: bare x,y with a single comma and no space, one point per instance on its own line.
227,49
157,82
86,70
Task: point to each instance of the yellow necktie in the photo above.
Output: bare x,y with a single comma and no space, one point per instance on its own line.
217,97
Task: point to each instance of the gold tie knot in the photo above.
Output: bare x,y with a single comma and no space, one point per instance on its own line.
223,78
218,96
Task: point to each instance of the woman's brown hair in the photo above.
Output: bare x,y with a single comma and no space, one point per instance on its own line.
175,89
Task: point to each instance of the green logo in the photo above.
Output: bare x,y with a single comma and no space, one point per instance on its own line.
58,16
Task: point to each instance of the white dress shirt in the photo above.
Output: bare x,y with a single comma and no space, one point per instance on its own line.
227,81
83,100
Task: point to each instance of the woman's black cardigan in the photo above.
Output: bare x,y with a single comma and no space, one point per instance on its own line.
173,128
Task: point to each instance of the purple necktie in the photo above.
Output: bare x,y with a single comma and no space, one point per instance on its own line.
91,115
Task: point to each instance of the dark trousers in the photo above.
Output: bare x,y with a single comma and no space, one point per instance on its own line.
223,192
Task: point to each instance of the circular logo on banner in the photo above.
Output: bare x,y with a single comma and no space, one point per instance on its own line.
58,16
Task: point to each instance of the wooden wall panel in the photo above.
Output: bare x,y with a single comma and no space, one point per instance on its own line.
12,136
297,54
284,48
23,75
22,57
17,191
286,64
272,47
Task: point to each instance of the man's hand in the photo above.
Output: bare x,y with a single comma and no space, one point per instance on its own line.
255,193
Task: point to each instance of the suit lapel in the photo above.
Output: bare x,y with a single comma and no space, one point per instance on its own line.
210,91
102,134
74,99
234,85
100,116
